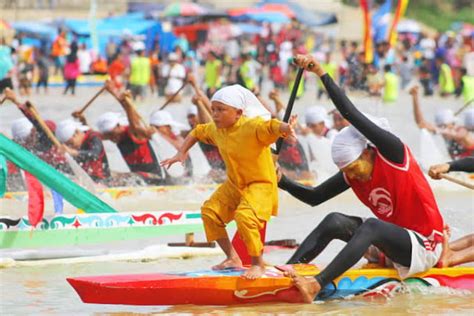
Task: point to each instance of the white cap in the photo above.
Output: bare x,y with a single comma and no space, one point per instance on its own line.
349,143
315,114
243,99
109,120
164,118
192,110
66,129
173,57
444,117
469,119
21,129
138,46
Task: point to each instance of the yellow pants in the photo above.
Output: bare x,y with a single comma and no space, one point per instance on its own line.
225,205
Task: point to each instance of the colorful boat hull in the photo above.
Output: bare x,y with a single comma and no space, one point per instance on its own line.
228,288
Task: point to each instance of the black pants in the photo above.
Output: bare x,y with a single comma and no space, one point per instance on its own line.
394,241
70,84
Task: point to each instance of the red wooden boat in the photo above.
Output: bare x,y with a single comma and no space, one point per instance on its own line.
227,287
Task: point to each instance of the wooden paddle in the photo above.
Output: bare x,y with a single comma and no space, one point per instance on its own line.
82,176
289,107
90,101
457,181
463,107
203,107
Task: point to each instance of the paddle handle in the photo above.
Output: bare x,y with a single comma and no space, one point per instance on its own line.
463,107
91,100
289,107
457,181
202,106
42,123
3,100
168,101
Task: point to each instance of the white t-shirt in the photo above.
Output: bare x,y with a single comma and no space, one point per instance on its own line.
175,77
85,60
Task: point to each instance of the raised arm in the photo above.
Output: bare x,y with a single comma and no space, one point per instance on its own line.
419,119
315,195
135,121
390,146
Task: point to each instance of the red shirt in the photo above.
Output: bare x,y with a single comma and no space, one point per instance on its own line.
399,194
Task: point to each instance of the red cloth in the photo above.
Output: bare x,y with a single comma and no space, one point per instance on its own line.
35,200
399,194
241,249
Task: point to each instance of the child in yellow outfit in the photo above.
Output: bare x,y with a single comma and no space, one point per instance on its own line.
250,194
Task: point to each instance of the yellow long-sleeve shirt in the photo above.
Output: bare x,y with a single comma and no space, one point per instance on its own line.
244,147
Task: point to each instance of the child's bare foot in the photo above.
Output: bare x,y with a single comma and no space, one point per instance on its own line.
228,263
308,287
254,272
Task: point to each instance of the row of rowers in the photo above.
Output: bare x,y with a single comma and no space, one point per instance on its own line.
142,146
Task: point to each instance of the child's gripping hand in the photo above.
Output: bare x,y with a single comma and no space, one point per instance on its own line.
179,157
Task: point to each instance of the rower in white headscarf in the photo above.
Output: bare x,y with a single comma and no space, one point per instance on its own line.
349,143
67,128
21,129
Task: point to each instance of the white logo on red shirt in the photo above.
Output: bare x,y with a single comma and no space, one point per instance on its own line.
382,201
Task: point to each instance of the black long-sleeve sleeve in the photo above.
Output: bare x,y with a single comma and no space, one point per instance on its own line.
389,145
92,152
464,164
315,195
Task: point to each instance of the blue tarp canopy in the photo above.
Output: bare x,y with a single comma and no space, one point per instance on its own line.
36,30
132,24
271,17
303,15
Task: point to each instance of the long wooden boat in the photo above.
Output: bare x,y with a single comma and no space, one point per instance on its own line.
81,229
117,193
227,287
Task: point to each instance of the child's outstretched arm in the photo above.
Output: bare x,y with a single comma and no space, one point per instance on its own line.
182,153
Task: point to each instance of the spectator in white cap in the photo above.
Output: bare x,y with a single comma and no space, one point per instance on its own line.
86,147
175,75
458,142
316,120
243,132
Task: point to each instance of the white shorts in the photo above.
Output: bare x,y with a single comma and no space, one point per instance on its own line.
423,257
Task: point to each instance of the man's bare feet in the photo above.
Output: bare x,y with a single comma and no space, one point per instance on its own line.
228,263
254,272
308,287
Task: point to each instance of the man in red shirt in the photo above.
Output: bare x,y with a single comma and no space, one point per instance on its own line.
384,175
132,139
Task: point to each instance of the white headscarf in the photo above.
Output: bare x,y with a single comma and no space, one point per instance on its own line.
469,119
21,129
349,143
192,110
444,117
66,129
315,115
109,120
164,118
243,99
